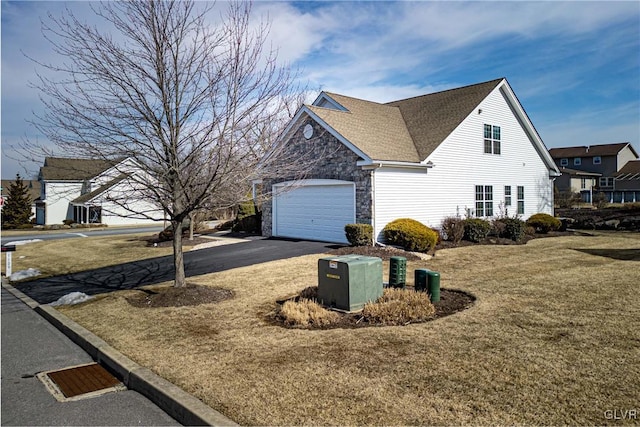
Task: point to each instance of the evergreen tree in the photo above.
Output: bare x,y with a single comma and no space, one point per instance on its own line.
17,208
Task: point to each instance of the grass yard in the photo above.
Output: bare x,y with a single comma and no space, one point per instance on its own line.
55,257
552,339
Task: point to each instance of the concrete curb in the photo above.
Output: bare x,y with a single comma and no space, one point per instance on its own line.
182,406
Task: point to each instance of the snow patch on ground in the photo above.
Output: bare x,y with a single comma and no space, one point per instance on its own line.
24,242
24,274
72,298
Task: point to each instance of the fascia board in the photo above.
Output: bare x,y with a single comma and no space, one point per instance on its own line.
375,164
506,90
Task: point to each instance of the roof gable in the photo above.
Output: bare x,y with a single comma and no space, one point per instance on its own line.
378,130
408,131
431,118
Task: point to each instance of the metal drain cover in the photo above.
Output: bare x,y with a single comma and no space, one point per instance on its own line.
80,382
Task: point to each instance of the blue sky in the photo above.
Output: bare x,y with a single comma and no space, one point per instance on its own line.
575,66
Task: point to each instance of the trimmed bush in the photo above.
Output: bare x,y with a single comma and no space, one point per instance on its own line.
543,223
510,228
359,234
476,229
453,229
410,234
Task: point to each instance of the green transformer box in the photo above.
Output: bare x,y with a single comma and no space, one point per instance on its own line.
349,282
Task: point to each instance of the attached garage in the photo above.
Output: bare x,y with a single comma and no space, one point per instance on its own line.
313,209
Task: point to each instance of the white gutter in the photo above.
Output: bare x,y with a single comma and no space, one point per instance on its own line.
375,164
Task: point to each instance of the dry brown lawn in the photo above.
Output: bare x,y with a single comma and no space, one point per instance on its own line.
55,257
553,339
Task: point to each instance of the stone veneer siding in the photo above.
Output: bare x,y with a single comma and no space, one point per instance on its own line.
334,161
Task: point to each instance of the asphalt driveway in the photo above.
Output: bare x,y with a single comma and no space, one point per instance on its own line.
156,270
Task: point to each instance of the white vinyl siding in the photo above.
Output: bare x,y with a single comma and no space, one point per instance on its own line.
444,190
403,193
58,195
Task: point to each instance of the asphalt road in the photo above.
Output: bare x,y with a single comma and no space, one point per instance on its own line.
82,232
30,345
157,270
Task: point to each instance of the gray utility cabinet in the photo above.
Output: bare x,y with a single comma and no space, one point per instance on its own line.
348,282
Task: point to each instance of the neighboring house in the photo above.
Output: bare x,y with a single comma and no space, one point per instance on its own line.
91,191
577,181
471,150
603,162
627,183
32,185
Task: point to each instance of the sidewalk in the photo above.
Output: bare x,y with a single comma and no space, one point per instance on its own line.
31,345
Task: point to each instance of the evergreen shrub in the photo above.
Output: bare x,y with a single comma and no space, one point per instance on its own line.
411,235
510,228
543,223
359,234
476,229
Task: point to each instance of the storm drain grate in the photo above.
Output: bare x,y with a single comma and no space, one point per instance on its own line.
80,382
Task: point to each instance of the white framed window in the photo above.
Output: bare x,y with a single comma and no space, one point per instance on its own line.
484,200
492,139
597,160
520,200
606,181
583,183
577,161
507,195
564,162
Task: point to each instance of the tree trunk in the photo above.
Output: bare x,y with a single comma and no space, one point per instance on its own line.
191,215
178,259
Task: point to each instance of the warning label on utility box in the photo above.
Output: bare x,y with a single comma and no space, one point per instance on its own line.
333,264
333,276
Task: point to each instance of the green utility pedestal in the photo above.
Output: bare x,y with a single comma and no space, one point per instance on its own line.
349,282
397,271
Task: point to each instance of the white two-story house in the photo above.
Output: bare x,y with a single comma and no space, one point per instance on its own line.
93,191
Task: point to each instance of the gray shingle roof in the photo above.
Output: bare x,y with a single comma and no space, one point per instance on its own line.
67,169
407,130
589,151
32,185
378,130
431,118
88,196
576,172
630,171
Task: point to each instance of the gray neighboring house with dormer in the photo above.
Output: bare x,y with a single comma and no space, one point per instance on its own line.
596,169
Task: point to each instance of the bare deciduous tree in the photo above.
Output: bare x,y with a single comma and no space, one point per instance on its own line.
195,106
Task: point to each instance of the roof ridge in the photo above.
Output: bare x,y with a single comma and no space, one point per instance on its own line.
448,90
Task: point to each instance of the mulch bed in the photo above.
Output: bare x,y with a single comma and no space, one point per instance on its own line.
451,301
189,294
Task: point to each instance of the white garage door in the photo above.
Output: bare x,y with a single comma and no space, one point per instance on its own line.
314,210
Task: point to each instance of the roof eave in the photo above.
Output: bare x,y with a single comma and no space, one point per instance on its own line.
375,164
522,116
